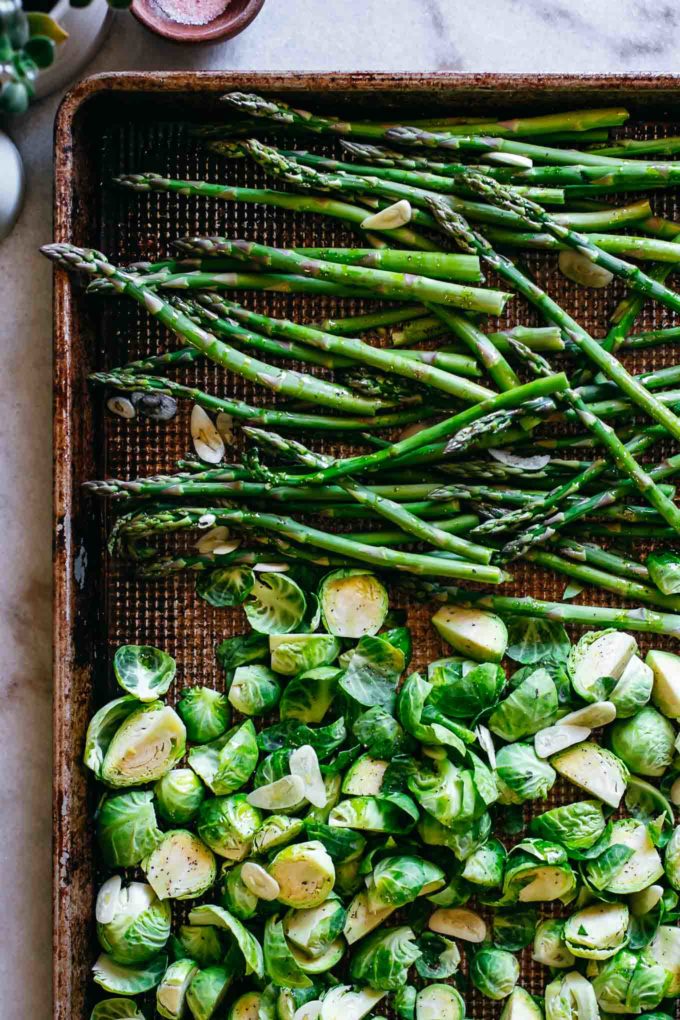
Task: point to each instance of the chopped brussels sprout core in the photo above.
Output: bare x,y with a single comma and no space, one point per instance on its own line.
139,926
634,689
439,1002
472,632
494,972
520,1006
644,742
665,949
364,777
599,655
181,866
346,1003
179,794
361,920
128,980
228,824
254,690
308,696
296,653
664,569
576,826
283,793
246,1007
559,737
595,770
143,671
102,728
458,923
126,828
550,948
146,746
328,959
598,931
275,831
643,902
353,603
570,997
304,763
313,930
206,991
547,883
205,713
172,991
666,687
275,604
305,874
260,883
643,867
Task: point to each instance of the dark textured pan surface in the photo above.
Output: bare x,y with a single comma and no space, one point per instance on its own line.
122,123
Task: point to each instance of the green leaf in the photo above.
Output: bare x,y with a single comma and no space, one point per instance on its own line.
247,943
532,640
373,672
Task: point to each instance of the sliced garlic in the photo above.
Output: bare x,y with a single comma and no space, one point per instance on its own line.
304,763
486,743
107,900
224,423
121,406
459,923
580,269
284,793
396,215
218,536
571,590
535,463
259,881
645,900
508,159
556,738
207,440
601,713
271,568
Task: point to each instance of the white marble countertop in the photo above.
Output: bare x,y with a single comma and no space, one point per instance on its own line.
414,35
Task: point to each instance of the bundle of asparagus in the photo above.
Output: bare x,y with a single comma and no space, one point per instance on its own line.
476,480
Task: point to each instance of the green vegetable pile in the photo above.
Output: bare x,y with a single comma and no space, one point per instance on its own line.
354,836
461,463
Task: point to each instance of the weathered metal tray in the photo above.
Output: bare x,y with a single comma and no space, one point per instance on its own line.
128,122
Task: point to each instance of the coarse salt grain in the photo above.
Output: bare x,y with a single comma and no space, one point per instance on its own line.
193,12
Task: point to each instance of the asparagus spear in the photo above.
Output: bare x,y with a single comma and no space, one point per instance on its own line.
645,248
334,208
291,383
377,281
353,324
454,525
587,552
146,524
640,619
455,226
651,338
131,382
481,346
353,349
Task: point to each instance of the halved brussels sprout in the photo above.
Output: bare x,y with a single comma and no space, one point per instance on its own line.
136,924
312,930
308,696
279,961
225,587
116,1009
598,660
126,828
147,744
353,603
530,707
254,690
634,688
398,880
520,769
343,1002
630,984
275,831
537,870
595,770
472,632
597,932
576,826
645,742
440,956
665,949
383,958
360,919
558,737
179,794
228,824
394,814
550,948
570,997
404,1002
449,793
172,991
226,764
372,672
484,867
246,1007
521,1006
642,868
364,777
514,929
207,990
181,866
664,570
666,687
244,940
462,840
205,713
439,1002
275,604
102,728
297,653
305,874
458,923
237,898
143,671
494,972
128,980
330,957
461,689
200,944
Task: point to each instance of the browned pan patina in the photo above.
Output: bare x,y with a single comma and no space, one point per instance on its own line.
131,122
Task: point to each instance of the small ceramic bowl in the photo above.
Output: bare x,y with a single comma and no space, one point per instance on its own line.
236,17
